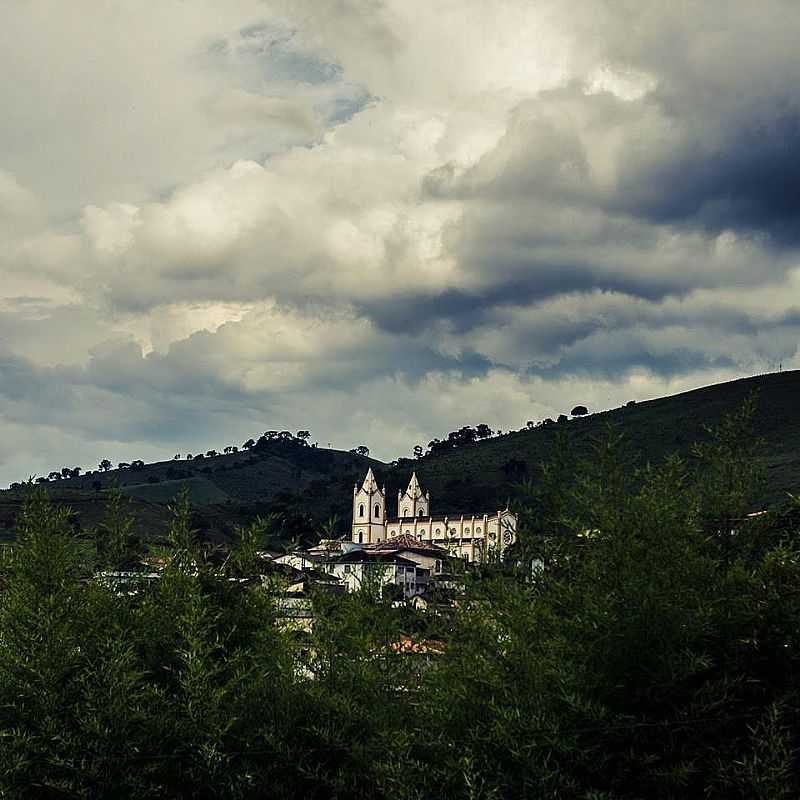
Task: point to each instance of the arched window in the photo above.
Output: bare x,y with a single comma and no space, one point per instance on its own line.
361,537
377,511
361,510
405,512
420,513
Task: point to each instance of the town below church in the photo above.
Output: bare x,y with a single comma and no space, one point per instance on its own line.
413,551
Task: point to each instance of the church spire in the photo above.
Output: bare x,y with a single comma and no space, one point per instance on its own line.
413,502
370,484
414,490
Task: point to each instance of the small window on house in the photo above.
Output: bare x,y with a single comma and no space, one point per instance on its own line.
478,529
361,510
377,511
347,568
360,537
438,566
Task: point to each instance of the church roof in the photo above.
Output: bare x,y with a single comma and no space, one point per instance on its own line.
452,517
414,489
370,484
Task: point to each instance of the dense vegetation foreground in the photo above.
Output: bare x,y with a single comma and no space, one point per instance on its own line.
655,655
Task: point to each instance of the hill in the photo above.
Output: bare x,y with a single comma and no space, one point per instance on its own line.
653,429
306,485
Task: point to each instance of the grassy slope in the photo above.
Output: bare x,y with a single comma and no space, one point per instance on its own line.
295,481
654,428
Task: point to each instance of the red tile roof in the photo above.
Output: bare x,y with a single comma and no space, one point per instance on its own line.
406,541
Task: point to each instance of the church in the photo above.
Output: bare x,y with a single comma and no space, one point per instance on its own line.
470,536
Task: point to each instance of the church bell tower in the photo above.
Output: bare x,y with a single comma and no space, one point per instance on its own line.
369,512
413,503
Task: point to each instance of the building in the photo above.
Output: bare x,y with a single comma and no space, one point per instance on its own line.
471,536
358,567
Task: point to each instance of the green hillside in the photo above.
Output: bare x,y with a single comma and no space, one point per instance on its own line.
653,429
306,485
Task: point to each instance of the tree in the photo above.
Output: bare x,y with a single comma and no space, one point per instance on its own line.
304,436
250,443
418,451
66,472
483,431
530,424
212,454
563,418
54,476
123,465
362,450
137,464
579,411
105,465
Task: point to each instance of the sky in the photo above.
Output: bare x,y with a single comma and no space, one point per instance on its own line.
380,220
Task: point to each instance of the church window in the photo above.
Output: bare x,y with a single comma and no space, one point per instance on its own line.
453,531
466,530
377,510
361,537
405,512
478,529
347,568
420,513
438,531
361,510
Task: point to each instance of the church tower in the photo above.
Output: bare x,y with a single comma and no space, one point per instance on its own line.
369,511
413,503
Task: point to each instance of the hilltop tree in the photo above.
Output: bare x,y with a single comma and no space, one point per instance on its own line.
418,451
105,465
249,444
579,411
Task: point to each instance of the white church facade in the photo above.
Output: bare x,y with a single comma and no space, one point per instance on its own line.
471,536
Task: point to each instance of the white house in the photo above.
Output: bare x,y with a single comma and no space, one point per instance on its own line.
358,567
471,536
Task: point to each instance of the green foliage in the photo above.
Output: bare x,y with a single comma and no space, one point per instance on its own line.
656,654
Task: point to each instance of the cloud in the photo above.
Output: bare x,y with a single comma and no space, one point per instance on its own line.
258,214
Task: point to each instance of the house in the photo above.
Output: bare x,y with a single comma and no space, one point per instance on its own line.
359,567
